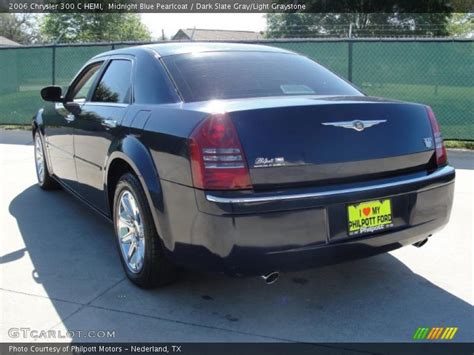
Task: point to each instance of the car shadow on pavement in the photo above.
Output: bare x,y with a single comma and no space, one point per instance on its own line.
73,257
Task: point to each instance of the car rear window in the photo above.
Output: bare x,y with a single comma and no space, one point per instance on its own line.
227,75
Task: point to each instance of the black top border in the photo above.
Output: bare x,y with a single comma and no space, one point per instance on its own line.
239,6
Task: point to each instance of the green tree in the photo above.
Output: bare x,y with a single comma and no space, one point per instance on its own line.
360,24
365,18
21,28
461,25
93,27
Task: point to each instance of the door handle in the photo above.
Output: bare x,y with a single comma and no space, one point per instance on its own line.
69,118
109,123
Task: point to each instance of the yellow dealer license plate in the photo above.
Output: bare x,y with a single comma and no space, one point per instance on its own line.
369,217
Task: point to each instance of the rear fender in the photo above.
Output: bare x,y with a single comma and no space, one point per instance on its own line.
135,154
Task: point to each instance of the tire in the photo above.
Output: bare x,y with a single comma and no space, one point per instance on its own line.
45,181
147,265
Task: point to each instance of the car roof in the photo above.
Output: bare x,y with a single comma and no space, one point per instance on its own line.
168,49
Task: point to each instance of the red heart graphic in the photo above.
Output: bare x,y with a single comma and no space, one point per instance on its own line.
366,211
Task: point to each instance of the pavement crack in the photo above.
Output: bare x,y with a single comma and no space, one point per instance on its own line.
84,305
191,323
41,296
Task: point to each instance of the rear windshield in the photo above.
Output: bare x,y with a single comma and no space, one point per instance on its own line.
227,75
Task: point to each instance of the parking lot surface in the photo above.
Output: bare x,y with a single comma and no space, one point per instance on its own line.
59,270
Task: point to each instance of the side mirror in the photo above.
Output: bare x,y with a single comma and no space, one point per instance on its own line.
52,93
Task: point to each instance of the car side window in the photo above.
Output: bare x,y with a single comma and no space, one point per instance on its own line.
116,83
81,89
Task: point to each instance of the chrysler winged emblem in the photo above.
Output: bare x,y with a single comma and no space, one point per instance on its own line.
428,142
358,125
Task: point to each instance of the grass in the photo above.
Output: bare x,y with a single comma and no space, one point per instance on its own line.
459,144
15,127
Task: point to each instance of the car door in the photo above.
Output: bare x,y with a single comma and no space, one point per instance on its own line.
59,126
96,126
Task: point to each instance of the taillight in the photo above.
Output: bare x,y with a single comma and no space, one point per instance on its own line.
217,159
441,156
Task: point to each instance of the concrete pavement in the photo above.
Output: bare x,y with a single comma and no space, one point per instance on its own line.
59,270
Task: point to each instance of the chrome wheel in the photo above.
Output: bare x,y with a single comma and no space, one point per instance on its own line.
130,231
39,158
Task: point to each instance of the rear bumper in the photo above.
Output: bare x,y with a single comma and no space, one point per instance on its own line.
255,233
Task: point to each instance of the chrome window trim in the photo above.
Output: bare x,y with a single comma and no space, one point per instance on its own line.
100,103
439,173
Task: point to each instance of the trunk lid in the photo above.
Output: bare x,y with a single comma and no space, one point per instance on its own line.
290,141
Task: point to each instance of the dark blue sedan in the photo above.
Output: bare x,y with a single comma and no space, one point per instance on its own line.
240,159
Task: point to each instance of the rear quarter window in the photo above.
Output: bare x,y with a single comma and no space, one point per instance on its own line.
227,75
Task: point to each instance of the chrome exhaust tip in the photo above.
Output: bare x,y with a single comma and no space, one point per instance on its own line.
271,277
421,243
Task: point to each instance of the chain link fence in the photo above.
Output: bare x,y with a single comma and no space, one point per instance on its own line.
436,72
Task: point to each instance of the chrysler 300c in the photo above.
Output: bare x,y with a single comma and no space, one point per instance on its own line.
240,159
